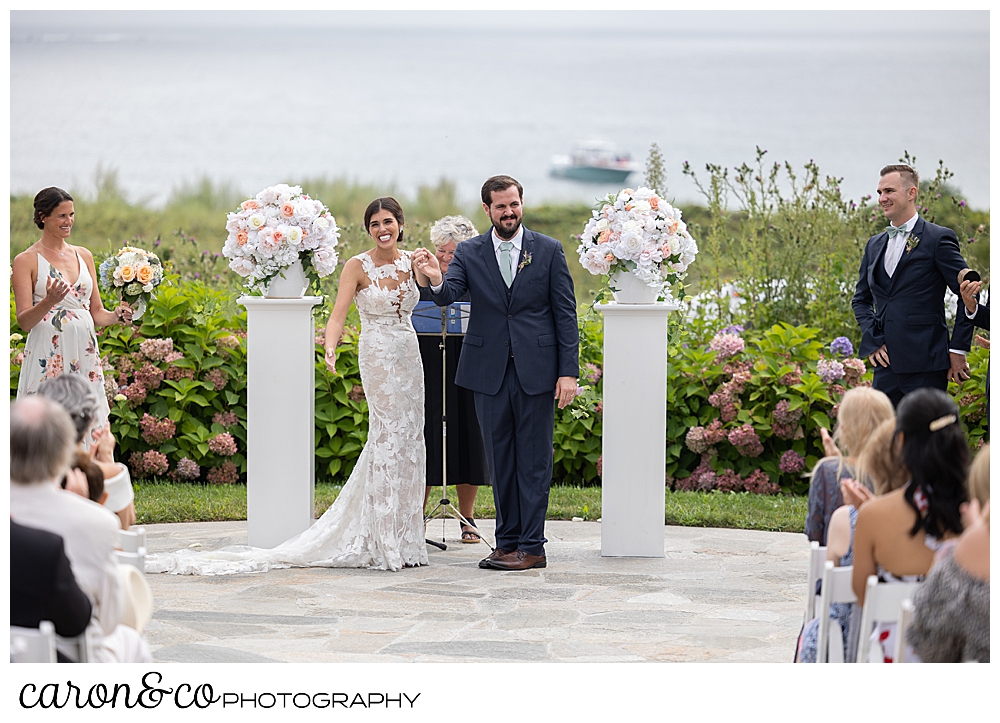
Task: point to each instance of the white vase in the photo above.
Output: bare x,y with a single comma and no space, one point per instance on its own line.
290,283
628,289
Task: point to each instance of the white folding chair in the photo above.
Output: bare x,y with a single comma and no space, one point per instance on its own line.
836,589
81,648
882,605
905,615
131,540
136,559
31,645
817,556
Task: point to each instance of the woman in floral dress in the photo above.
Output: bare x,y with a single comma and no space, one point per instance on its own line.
58,304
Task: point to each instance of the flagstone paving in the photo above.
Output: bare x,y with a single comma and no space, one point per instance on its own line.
718,595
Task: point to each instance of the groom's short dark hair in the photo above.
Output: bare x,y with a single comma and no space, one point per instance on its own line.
906,173
499,183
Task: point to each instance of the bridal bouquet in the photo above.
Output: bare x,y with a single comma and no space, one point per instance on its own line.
275,229
638,232
134,274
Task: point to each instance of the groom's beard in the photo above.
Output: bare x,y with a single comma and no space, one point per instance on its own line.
504,233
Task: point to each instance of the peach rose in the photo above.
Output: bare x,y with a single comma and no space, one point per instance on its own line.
628,206
654,202
144,274
604,236
128,273
287,210
248,205
242,237
278,236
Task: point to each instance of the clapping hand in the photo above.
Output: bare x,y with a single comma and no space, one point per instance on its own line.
854,494
104,446
830,448
55,290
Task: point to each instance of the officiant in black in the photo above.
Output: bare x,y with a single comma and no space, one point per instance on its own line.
467,469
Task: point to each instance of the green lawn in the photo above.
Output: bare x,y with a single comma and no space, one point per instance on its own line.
160,501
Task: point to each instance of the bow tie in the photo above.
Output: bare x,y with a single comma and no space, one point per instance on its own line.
895,231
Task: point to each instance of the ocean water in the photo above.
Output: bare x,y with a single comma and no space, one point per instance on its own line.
256,106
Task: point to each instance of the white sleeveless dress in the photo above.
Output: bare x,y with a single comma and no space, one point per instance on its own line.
377,520
64,341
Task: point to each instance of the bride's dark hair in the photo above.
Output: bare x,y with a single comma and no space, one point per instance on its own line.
386,203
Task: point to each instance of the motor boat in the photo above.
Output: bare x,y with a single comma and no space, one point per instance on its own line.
594,162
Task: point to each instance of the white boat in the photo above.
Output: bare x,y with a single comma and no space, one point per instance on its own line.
594,162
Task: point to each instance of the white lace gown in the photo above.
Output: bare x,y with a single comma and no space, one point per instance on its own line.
377,520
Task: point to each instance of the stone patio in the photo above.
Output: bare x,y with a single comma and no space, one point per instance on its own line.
718,595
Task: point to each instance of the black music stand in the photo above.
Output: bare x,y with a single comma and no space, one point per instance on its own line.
452,313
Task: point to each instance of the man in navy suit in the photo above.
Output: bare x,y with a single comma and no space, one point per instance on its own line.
520,354
899,298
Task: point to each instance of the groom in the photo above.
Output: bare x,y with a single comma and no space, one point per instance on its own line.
520,354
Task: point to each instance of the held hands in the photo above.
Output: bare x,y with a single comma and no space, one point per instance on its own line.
880,357
427,264
55,290
124,312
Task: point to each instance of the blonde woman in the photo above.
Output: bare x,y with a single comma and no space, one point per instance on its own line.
861,411
467,469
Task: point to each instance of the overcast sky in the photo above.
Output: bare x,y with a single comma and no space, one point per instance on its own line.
724,21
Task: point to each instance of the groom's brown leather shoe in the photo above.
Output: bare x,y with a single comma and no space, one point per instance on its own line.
487,562
519,560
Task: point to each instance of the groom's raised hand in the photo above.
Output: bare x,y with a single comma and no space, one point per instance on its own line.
427,265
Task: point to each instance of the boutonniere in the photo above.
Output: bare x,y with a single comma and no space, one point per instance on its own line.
524,262
911,242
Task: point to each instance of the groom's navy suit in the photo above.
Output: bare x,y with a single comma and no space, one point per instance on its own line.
519,341
906,311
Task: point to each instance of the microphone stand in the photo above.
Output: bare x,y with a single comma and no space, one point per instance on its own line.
445,508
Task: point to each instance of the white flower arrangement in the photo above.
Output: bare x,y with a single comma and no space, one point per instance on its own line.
280,224
639,232
134,274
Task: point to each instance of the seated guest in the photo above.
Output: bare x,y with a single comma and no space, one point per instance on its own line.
89,482
77,397
42,586
861,411
42,444
951,617
879,464
897,534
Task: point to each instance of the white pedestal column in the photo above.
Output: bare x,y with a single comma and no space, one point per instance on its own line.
281,396
635,428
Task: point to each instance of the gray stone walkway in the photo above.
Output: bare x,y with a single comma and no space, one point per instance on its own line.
718,595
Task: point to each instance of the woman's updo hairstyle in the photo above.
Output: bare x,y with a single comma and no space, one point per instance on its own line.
46,201
937,455
386,203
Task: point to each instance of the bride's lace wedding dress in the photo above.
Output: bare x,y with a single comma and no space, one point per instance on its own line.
377,520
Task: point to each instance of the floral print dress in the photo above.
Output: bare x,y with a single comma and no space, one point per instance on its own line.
64,341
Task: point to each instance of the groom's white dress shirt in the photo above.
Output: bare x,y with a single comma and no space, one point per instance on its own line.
894,249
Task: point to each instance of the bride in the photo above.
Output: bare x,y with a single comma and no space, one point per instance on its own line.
377,520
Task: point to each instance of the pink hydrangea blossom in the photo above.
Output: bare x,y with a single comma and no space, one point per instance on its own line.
593,372
759,483
148,464
150,376
188,469
217,378
156,431
791,462
226,419
156,349
726,345
854,369
225,474
223,444
746,441
728,481
135,393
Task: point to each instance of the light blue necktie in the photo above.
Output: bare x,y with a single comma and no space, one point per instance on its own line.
895,231
507,263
